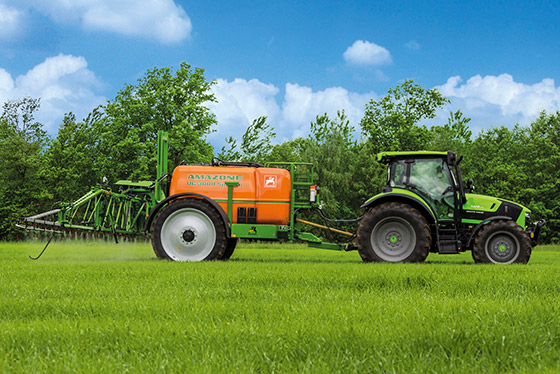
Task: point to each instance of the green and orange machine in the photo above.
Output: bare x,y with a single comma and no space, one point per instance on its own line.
201,211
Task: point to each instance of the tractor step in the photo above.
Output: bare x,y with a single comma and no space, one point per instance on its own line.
449,247
448,242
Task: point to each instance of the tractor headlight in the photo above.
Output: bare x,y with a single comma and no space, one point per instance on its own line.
527,217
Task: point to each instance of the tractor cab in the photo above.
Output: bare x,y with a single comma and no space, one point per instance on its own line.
435,176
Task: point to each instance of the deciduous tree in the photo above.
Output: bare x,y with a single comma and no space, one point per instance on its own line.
393,122
22,145
161,100
72,165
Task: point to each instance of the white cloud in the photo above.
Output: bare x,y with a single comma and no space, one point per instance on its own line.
51,71
63,83
301,106
11,22
499,100
159,20
6,83
241,101
367,53
413,45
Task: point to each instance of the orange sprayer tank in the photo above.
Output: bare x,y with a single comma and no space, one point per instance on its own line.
264,192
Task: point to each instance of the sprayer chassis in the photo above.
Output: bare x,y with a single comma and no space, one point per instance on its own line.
130,208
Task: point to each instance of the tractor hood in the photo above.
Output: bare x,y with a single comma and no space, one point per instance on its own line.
478,208
481,202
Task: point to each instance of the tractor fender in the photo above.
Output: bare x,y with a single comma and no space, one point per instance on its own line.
413,201
479,226
183,195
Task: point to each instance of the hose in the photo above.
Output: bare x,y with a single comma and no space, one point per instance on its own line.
43,251
332,229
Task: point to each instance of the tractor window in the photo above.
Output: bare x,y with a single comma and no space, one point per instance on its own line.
432,178
397,174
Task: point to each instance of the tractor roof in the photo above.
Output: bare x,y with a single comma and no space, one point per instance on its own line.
386,157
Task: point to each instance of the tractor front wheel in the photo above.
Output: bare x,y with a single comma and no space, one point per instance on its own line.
189,230
502,242
393,232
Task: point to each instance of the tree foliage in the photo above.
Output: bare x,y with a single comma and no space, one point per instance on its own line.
22,145
331,147
161,100
541,167
71,164
256,143
393,122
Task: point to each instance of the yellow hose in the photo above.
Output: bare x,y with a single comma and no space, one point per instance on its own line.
324,227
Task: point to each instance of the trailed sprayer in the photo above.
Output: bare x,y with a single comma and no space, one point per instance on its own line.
201,211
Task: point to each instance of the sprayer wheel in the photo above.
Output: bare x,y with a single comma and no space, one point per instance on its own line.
231,243
189,230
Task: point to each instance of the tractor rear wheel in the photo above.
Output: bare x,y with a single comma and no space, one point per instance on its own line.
189,230
502,242
393,232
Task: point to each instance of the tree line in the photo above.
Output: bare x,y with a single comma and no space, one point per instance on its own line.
118,141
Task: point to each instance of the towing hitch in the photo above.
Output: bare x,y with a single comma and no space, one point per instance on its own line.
534,229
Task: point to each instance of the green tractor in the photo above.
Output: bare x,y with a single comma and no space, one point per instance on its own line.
426,208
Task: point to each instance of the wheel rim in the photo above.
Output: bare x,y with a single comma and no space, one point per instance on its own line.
188,235
502,248
393,239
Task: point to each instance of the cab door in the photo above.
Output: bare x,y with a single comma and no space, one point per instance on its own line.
431,178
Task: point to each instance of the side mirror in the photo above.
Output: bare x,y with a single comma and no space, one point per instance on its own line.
469,188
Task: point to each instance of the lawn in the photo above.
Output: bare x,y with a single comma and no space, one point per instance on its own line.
101,307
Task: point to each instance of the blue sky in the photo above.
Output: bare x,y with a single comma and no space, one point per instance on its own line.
498,61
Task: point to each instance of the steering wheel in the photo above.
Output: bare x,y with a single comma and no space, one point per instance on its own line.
447,189
443,197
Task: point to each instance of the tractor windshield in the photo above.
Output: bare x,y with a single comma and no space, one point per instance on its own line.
430,178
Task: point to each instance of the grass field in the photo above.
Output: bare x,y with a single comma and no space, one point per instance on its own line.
101,307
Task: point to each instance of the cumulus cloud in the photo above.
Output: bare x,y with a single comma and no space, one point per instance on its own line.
6,83
367,54
159,20
301,105
413,45
11,22
500,99
241,101
63,83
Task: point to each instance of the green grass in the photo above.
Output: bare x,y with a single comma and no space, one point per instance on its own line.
101,307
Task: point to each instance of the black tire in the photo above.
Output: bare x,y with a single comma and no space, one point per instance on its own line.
230,247
189,230
393,232
502,242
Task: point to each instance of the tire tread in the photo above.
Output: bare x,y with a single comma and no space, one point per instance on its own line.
417,220
479,252
200,204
